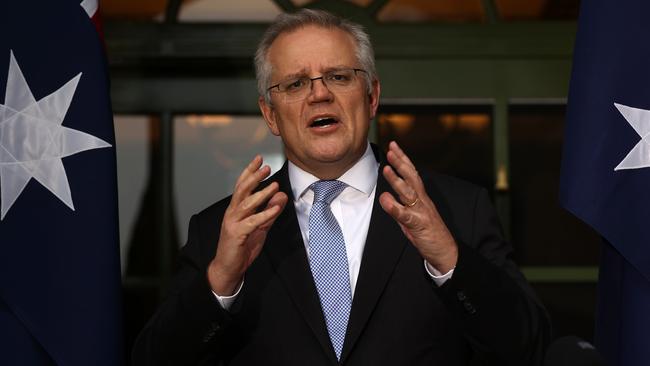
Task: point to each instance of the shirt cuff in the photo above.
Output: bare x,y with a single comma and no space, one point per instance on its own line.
436,276
227,301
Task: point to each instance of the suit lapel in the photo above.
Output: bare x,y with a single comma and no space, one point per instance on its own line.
384,245
286,251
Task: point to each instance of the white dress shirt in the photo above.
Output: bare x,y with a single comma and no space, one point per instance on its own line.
352,209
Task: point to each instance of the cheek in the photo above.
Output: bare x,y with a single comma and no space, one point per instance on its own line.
363,114
287,130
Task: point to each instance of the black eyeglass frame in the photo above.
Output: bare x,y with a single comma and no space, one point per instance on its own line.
311,80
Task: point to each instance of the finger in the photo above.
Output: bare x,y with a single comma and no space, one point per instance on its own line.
400,153
406,193
279,199
252,167
251,203
397,211
254,222
248,181
405,171
402,167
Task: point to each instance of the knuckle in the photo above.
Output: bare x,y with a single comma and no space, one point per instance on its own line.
411,220
246,223
253,222
246,205
227,229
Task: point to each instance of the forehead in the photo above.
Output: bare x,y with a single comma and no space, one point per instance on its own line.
311,49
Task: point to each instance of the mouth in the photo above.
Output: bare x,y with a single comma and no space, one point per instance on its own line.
323,122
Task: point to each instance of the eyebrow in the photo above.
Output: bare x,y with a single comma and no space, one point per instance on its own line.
303,72
294,75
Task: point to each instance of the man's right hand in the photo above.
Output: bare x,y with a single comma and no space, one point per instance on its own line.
244,229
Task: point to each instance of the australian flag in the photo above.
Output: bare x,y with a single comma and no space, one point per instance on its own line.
606,166
60,291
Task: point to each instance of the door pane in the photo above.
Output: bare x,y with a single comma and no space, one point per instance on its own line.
543,232
454,140
210,152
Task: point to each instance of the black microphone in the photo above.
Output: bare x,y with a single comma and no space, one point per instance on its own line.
572,351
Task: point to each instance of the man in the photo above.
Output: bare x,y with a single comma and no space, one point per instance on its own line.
344,256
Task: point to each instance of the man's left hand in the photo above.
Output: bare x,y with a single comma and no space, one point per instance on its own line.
415,213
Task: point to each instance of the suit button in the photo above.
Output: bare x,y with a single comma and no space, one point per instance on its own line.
214,328
461,296
208,336
469,307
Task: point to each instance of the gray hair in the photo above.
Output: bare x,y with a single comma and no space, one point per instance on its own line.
288,22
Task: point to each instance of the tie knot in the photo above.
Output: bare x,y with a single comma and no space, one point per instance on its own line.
327,190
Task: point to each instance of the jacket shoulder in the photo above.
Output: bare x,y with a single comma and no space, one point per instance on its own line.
447,186
215,210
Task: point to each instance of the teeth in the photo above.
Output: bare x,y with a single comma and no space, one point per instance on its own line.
323,122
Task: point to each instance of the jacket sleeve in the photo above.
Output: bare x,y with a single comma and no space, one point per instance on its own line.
495,307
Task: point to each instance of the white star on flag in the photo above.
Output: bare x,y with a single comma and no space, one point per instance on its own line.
33,140
90,6
639,119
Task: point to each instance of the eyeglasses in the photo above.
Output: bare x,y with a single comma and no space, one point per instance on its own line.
337,81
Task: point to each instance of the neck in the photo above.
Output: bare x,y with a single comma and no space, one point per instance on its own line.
326,171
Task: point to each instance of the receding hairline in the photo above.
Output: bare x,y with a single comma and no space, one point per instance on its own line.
302,27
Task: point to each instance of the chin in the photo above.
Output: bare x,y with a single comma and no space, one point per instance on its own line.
330,153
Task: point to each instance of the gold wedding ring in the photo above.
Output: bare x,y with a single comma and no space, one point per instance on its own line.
417,199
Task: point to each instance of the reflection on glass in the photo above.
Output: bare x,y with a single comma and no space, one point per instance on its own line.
301,2
228,11
209,154
138,157
446,11
362,3
192,11
454,140
132,10
544,233
131,143
538,9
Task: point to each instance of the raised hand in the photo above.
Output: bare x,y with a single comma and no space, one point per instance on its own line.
244,227
415,213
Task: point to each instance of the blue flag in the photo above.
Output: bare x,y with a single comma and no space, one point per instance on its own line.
605,177
60,293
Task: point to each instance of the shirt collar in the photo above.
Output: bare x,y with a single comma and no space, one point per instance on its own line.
362,176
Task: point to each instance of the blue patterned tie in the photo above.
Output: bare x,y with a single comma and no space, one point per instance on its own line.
329,262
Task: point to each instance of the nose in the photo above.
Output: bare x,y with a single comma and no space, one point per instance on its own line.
319,91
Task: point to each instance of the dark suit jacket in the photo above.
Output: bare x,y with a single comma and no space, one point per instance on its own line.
485,314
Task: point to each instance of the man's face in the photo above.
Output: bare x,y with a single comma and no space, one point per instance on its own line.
326,133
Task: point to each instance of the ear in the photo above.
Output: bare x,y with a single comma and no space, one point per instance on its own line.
268,112
373,101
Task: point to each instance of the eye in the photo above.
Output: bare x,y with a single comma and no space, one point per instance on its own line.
340,77
294,85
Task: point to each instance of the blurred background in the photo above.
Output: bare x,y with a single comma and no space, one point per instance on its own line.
471,88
